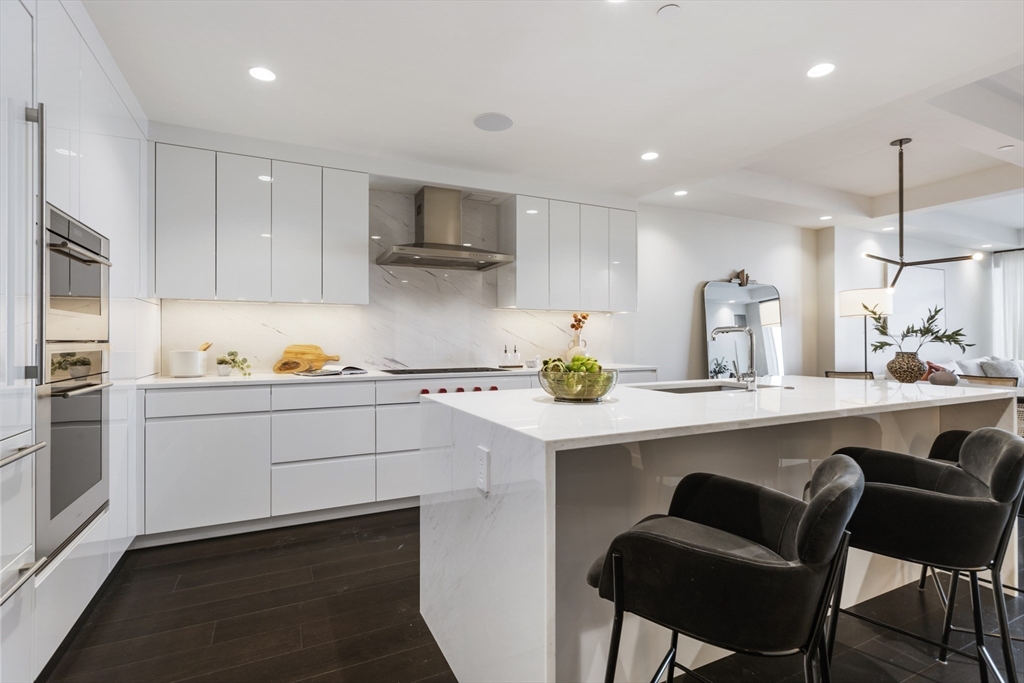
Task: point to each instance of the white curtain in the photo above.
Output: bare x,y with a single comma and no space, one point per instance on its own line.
1008,290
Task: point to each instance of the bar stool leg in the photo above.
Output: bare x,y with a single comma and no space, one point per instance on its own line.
924,577
979,628
1004,626
823,662
947,624
809,676
675,651
613,647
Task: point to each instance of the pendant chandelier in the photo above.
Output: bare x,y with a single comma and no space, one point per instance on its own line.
902,263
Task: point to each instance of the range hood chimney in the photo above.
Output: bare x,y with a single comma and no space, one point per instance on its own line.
439,237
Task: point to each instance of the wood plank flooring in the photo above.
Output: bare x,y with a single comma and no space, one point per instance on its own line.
332,601
339,602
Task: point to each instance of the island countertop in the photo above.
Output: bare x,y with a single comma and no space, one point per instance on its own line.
641,412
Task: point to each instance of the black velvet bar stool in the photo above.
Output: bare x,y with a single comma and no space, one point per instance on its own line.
735,565
954,516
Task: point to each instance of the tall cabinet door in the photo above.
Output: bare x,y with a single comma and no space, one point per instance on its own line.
17,292
564,257
296,254
622,260
594,276
531,252
243,227
346,243
59,88
186,223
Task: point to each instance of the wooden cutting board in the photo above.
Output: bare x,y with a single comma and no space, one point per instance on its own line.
310,353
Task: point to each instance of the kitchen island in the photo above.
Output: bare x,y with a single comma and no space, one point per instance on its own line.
521,494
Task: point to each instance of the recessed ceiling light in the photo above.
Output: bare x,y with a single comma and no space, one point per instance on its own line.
264,235
404,281
826,218
416,257
374,237
265,178
649,156
262,74
732,301
985,246
1005,148
888,229
492,122
978,256
466,244
821,70
679,193
531,211
615,263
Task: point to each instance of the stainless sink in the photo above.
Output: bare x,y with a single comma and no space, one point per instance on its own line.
694,390
691,387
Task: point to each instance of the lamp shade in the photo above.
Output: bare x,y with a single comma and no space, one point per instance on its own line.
853,301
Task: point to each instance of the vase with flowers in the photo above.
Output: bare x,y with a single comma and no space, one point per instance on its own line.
577,346
907,367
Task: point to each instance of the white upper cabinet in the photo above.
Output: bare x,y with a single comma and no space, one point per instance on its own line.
564,258
58,88
523,230
622,256
297,220
244,233
17,289
346,239
186,223
594,258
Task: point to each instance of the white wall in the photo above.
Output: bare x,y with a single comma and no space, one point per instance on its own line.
679,251
967,300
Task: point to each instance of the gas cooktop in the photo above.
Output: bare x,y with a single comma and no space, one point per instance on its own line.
431,371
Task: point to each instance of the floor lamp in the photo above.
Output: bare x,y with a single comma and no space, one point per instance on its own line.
853,301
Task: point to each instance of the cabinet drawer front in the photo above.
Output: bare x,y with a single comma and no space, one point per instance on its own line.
340,395
398,428
17,505
638,376
314,434
183,402
398,475
408,391
203,471
16,635
324,484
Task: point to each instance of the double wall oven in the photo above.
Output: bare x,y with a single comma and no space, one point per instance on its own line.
73,403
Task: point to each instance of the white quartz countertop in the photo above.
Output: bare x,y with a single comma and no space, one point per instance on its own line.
635,413
164,382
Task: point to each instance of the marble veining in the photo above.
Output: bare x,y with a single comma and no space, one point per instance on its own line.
416,317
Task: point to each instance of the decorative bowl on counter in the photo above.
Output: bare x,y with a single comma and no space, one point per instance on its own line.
578,387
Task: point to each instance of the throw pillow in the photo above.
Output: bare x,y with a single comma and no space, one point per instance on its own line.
1002,368
973,366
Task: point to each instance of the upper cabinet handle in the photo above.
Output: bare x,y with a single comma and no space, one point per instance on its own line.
18,455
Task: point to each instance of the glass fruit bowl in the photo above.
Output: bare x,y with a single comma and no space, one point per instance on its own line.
578,387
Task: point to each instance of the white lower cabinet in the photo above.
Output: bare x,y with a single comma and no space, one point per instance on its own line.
207,470
65,587
398,475
17,507
16,621
315,434
398,427
323,484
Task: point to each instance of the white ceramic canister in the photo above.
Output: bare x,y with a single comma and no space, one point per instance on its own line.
188,363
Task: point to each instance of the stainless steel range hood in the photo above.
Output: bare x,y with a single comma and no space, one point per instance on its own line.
439,237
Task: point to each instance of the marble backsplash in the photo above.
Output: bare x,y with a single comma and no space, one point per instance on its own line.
416,317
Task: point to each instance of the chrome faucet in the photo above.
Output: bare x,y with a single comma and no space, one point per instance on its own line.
750,377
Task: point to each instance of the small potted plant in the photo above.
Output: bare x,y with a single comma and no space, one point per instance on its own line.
719,368
230,361
71,363
906,367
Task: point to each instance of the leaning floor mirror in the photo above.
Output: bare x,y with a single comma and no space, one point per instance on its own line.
727,304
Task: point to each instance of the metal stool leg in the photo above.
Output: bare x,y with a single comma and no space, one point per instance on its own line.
924,577
947,624
675,650
613,647
833,620
823,662
979,628
809,674
1004,626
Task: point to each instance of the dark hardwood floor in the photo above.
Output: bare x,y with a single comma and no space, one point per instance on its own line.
339,601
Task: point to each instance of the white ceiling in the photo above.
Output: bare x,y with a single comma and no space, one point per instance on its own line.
592,85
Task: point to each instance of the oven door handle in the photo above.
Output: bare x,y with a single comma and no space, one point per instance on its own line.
27,572
84,390
21,453
81,255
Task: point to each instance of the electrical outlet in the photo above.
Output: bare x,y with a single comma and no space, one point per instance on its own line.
483,469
